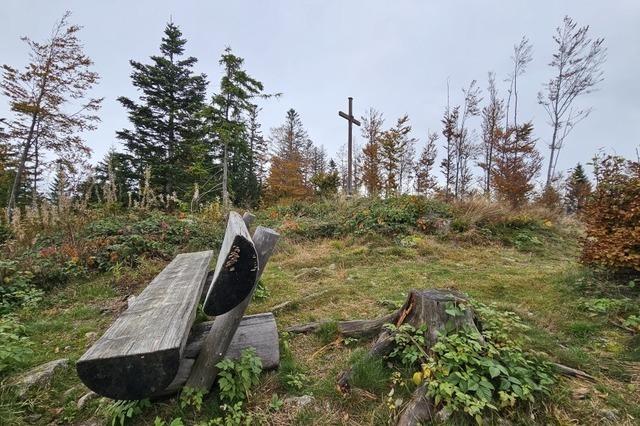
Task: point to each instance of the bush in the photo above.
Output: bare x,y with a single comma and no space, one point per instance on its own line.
236,378
14,345
470,373
16,288
56,256
612,217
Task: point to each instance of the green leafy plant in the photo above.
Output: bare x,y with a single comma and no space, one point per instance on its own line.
121,412
174,422
233,415
633,321
236,378
408,343
190,397
276,403
261,292
295,381
14,345
471,372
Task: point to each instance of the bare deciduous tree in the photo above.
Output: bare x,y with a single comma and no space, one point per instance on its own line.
58,76
492,115
578,66
520,58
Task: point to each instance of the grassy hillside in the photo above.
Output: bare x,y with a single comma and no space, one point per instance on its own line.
347,260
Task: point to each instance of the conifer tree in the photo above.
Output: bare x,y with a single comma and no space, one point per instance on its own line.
166,125
227,116
372,132
114,172
425,176
577,190
449,131
287,175
517,163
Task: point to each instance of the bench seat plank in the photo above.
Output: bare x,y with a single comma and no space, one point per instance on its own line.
140,353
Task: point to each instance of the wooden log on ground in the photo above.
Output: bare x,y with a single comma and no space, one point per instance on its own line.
572,372
140,353
352,328
217,341
236,269
255,331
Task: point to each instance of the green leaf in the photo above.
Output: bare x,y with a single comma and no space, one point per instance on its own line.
494,372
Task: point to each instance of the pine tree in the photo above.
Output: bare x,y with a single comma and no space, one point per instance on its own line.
425,176
577,190
114,173
372,132
166,126
258,146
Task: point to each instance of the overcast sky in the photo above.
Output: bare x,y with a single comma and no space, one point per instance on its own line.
395,56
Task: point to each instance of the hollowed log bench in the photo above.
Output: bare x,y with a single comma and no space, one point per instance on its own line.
151,349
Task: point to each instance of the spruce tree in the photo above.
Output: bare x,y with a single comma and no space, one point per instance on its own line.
167,130
425,176
372,132
229,118
578,189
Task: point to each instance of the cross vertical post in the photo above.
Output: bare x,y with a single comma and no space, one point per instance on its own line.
351,120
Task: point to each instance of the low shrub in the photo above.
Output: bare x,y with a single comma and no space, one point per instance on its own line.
236,378
470,373
14,345
54,257
612,217
16,288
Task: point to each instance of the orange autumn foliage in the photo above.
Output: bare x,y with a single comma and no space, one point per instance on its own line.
612,216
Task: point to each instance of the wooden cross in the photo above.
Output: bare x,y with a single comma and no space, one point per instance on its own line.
352,120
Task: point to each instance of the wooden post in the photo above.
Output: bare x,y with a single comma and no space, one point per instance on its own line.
216,343
352,120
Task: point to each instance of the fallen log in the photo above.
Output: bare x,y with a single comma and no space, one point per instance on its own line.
255,331
572,372
352,328
217,341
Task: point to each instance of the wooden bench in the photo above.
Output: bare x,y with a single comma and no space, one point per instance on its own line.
141,354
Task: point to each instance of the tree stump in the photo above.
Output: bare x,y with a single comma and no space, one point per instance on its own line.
422,308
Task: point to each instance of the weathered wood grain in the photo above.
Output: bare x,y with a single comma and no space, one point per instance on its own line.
236,269
217,341
140,353
255,331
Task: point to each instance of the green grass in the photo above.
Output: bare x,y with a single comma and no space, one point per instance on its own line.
538,278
